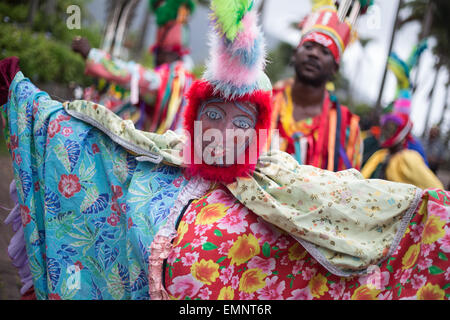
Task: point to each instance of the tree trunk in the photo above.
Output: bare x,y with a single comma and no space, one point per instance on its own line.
34,6
383,81
123,26
142,35
114,9
50,8
431,97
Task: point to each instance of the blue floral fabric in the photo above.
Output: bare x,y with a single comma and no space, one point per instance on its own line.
99,251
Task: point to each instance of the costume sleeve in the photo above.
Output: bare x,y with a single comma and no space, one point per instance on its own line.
372,163
408,166
85,213
100,64
345,221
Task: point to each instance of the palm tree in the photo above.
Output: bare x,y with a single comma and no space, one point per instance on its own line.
434,25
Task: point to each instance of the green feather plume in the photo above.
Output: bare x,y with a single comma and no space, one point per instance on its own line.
167,10
229,14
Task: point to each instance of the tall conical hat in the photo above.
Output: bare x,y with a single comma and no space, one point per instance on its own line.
234,73
331,24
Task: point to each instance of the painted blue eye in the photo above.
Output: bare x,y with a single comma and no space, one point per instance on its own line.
242,123
213,115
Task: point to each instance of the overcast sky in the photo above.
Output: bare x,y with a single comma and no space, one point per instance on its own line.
363,68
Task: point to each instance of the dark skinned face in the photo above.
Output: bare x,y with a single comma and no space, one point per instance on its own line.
314,64
163,56
387,131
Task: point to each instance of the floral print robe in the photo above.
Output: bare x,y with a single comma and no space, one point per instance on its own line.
224,251
89,208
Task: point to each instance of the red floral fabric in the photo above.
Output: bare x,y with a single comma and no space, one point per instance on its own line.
224,251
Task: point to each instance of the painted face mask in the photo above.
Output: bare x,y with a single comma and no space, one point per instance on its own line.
234,95
225,131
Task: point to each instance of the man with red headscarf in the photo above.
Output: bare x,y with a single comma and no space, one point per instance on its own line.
313,125
395,162
152,98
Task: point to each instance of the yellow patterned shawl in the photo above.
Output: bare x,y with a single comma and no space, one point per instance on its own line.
406,166
345,221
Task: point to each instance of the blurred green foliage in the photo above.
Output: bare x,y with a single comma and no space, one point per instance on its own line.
147,60
278,61
41,59
198,70
43,43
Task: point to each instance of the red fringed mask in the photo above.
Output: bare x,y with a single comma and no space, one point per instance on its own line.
201,91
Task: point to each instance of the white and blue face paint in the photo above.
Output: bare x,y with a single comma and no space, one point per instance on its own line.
214,113
237,139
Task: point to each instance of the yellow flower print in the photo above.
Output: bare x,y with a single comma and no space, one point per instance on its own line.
365,292
205,271
211,213
226,293
296,252
423,208
410,257
318,285
243,249
433,230
408,230
182,229
430,292
252,280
